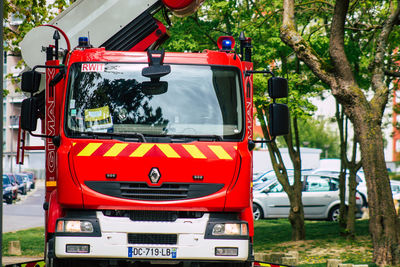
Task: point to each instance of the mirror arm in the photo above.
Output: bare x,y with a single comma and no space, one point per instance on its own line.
265,141
40,135
250,72
252,143
48,67
61,67
55,138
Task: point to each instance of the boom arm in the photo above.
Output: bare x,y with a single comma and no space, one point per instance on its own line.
113,24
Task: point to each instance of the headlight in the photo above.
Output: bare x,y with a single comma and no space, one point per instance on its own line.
74,226
230,229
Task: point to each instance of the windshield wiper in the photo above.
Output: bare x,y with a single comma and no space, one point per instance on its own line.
194,137
96,134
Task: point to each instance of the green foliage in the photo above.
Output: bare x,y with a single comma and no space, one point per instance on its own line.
32,13
318,134
322,242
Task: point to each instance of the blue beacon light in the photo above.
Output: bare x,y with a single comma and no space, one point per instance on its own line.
83,42
226,43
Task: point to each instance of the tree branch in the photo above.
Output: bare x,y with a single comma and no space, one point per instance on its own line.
392,73
292,38
378,102
366,29
336,48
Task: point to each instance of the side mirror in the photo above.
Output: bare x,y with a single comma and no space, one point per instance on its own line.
30,81
28,114
277,87
278,119
278,113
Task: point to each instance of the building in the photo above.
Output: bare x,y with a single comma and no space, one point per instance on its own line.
33,160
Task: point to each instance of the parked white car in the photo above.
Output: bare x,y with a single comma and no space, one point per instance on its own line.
320,198
361,187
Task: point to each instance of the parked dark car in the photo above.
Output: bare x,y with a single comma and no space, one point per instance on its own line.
32,178
26,179
13,183
22,186
8,190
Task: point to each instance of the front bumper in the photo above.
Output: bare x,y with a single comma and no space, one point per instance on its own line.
192,241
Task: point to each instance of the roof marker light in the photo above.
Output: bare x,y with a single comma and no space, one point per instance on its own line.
226,43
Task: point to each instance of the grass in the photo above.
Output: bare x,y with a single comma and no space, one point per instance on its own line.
32,241
323,242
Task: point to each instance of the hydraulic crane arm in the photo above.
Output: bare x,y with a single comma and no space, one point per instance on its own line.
113,24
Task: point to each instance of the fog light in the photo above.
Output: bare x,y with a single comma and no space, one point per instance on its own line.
78,248
219,229
226,251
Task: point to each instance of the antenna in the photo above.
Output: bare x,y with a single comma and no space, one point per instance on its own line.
88,35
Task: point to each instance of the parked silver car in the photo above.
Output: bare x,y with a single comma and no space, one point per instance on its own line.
360,178
320,198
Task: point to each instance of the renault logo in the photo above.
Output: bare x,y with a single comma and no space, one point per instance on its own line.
154,175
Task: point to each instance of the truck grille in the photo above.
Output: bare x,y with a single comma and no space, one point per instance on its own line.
154,215
165,192
152,239
142,191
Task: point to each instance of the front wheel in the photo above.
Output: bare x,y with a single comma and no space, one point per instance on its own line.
257,212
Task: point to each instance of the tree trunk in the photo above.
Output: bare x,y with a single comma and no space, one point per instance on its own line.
384,223
342,125
351,212
296,215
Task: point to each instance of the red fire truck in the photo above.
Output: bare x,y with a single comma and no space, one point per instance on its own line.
148,153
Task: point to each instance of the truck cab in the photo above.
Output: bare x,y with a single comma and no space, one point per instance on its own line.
149,168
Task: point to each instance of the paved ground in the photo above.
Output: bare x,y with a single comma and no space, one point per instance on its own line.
27,212
15,260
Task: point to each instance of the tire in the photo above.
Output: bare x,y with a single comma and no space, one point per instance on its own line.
364,200
9,200
334,214
257,212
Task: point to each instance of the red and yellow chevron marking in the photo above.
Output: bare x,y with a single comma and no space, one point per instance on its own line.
257,263
194,151
222,152
33,264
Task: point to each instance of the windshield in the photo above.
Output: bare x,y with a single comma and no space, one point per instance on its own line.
19,178
6,181
109,98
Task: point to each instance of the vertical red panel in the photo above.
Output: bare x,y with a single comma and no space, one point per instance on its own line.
51,128
248,87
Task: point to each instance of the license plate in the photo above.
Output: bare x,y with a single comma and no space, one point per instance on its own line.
153,252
